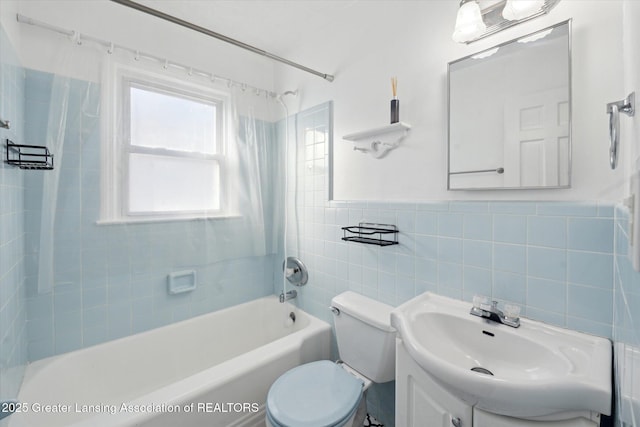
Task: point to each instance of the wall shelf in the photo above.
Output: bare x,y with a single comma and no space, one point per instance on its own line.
29,156
371,234
379,141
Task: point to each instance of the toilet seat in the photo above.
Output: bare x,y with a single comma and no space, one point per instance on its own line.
317,394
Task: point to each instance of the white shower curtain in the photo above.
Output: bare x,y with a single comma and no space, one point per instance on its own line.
68,193
60,118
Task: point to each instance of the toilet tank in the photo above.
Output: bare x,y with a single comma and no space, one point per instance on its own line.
366,340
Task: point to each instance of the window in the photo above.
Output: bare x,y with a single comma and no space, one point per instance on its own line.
166,158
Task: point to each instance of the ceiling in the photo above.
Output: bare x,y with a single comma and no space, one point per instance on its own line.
276,26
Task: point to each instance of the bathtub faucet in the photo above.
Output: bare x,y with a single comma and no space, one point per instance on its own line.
289,295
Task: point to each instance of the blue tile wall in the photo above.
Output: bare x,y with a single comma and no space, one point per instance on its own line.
110,281
13,332
554,259
626,326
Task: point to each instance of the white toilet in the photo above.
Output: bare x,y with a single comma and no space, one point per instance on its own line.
328,394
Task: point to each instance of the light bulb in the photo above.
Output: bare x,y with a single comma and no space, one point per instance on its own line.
469,23
519,9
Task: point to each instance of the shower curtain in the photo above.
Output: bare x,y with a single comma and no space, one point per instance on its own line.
73,249
56,106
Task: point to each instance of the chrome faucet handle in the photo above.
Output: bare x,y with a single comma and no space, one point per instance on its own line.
478,300
481,302
512,311
511,315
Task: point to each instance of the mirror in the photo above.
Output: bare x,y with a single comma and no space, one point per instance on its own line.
510,114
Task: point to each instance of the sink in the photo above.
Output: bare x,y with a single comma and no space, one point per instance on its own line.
536,371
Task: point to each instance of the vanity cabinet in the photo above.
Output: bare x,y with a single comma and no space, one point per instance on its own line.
422,402
486,419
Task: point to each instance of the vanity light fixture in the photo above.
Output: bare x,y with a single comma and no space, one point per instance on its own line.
477,19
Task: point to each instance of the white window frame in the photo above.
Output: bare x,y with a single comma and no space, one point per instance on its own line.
116,146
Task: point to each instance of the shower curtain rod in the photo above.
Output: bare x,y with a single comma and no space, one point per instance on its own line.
186,24
138,54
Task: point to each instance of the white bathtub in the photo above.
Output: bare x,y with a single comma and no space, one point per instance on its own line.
212,370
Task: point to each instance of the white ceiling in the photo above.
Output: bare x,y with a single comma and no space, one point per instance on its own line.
276,26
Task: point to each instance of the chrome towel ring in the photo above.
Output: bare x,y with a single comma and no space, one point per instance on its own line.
626,106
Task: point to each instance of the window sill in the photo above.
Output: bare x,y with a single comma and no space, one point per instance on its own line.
148,220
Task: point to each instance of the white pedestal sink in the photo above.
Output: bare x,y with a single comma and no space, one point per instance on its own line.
536,371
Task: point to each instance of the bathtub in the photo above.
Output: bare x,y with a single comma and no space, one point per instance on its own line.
212,370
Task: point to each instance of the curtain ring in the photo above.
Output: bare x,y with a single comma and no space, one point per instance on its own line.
76,37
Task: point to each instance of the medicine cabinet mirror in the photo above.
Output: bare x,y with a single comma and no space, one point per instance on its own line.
510,114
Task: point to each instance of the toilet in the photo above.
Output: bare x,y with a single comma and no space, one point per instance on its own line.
328,394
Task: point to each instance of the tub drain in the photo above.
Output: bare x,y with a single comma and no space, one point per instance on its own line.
482,370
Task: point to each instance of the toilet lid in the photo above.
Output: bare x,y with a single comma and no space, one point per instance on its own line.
317,394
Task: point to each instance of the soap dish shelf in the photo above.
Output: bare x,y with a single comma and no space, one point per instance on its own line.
24,156
371,234
379,141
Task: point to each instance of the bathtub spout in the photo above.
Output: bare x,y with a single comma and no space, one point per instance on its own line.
289,295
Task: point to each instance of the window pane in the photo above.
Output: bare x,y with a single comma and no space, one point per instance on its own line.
164,121
172,184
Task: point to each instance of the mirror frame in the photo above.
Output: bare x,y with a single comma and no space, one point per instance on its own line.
567,22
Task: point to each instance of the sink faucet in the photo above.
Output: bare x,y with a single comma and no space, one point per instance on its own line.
289,295
497,315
